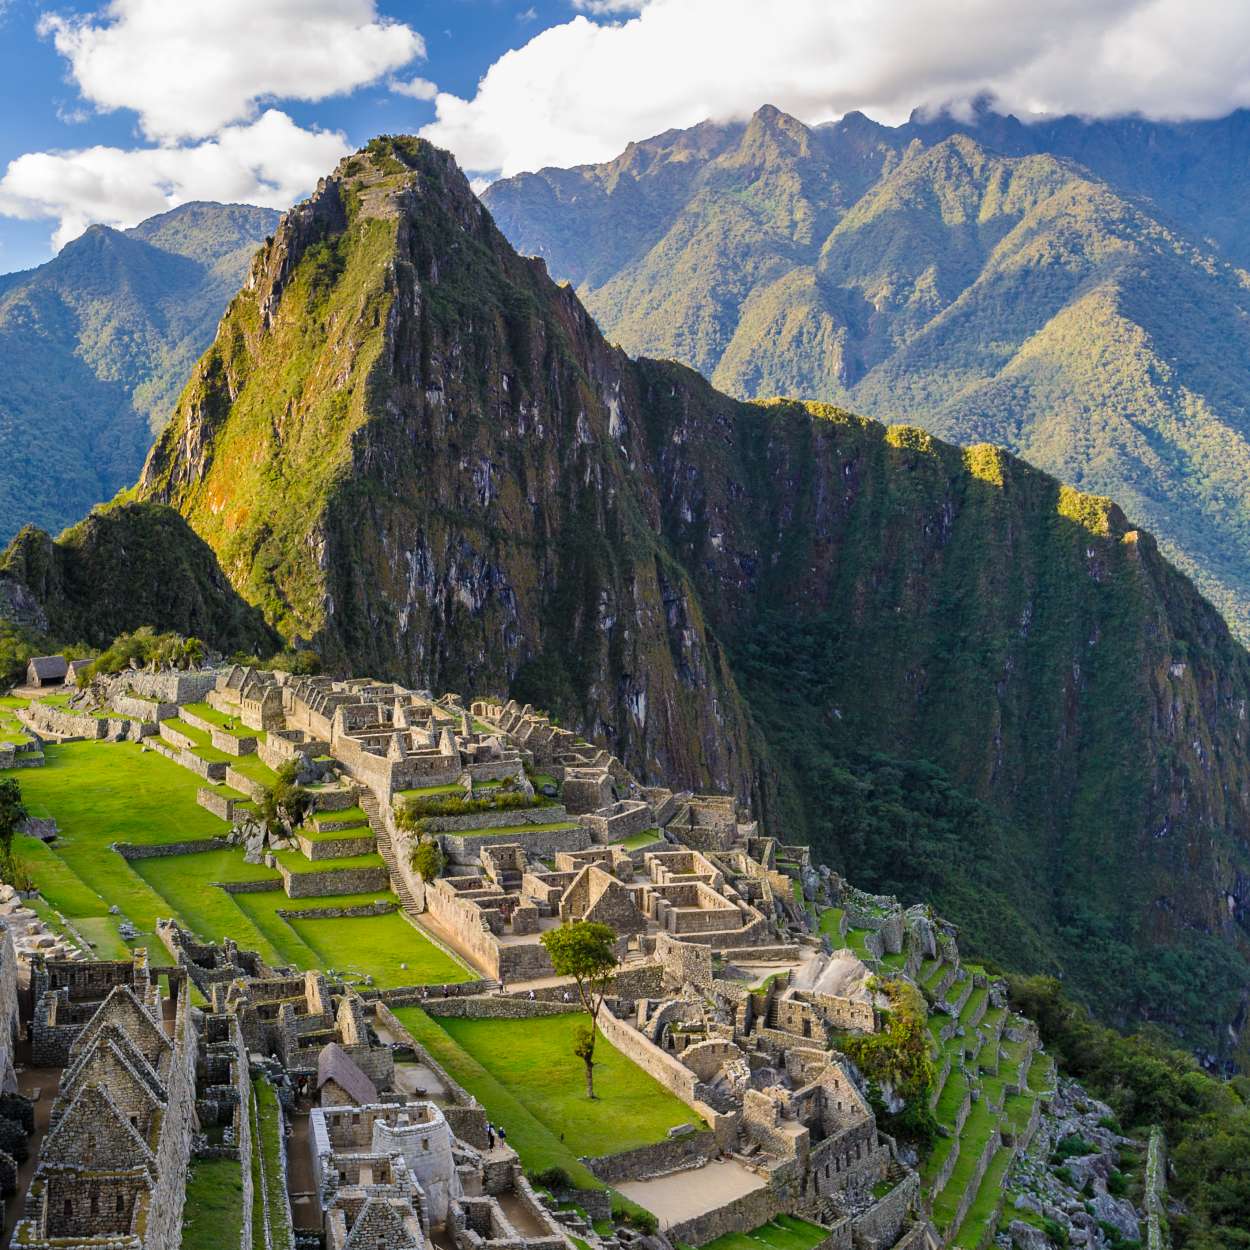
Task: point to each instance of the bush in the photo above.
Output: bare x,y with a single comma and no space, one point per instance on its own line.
1070,1147
415,811
553,1178
427,859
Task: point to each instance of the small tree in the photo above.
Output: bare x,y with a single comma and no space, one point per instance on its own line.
283,804
586,951
12,813
427,859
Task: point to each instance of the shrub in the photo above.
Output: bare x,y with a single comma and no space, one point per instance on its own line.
1070,1147
553,1178
427,859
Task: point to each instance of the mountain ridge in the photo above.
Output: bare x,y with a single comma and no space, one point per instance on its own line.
96,344
1027,294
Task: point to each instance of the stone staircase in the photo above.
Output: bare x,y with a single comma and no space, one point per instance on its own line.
386,848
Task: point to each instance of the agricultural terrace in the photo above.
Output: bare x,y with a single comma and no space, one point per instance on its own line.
102,793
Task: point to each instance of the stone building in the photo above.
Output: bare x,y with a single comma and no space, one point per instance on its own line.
112,1168
46,670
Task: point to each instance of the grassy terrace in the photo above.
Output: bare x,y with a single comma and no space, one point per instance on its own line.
786,1232
515,831
831,923
645,838
102,793
271,1215
11,729
213,1215
987,1203
313,834
426,792
294,862
525,1074
354,814
231,724
252,767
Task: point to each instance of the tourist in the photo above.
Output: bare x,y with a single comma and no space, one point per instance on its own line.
490,1136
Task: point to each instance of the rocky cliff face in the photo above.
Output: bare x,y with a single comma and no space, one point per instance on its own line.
413,450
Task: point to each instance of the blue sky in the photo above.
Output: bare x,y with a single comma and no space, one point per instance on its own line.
113,110
41,108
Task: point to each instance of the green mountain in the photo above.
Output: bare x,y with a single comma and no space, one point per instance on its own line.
413,450
95,346
1072,291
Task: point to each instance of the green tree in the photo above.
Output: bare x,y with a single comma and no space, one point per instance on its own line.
285,803
12,813
427,858
586,951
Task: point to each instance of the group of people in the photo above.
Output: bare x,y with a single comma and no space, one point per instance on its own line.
494,1131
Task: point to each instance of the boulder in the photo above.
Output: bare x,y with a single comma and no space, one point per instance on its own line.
1027,1236
1119,1213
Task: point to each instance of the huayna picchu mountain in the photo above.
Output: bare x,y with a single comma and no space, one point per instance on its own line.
414,451
1076,291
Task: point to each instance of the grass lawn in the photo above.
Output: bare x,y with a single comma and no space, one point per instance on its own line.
831,924
213,1215
786,1232
951,1098
355,814
975,999
425,792
937,1157
645,838
378,945
525,1074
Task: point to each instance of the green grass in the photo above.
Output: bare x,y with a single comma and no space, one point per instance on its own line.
254,768
986,1205
426,792
231,724
942,1148
785,1232
294,862
355,814
975,999
378,945
267,1173
60,700
645,838
525,1073
213,1215
951,1097
977,1129
831,924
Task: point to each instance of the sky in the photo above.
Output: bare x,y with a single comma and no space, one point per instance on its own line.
115,110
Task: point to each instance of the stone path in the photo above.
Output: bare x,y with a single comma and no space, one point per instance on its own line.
683,1195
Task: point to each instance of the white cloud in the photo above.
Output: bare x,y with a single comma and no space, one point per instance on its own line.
191,67
416,88
270,161
580,91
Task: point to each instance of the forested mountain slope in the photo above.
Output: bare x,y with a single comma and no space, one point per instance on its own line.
413,450
95,346
1070,290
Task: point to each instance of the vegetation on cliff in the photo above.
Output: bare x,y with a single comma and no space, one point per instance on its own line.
1147,1082
1074,291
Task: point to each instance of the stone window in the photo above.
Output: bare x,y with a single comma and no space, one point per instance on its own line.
69,1209
425,1143
121,1204
95,1204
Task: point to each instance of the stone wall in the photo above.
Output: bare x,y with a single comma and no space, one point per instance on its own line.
177,1130
739,1216
1156,1196
353,912
497,1007
221,806
690,1150
148,850
338,881
336,848
9,1024
241,782
243,1131
879,1227
142,709
172,687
